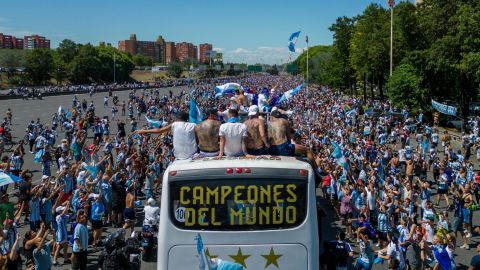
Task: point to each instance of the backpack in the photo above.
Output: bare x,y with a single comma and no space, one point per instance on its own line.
110,261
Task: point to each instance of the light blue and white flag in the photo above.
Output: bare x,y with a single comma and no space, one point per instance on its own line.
195,115
207,263
153,123
6,179
60,110
292,41
38,156
228,88
290,93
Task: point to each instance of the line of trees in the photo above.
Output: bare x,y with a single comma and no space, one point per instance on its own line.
436,53
72,62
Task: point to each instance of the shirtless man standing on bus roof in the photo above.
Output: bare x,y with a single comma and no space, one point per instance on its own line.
279,134
207,134
256,141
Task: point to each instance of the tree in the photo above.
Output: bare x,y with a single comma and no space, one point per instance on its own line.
123,65
273,70
39,65
60,68
11,60
405,88
175,69
342,73
369,46
142,61
67,50
86,66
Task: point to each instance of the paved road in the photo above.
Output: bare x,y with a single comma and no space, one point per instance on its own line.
26,110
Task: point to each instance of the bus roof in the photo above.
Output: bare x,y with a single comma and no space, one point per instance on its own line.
273,162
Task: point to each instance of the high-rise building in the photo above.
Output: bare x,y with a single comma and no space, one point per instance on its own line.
129,45
35,42
185,50
195,52
205,50
152,49
170,52
160,49
10,42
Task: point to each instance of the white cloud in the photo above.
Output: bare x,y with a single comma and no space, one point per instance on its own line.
220,50
262,54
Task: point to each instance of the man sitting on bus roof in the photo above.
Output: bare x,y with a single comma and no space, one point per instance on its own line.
207,134
184,140
279,135
232,136
256,141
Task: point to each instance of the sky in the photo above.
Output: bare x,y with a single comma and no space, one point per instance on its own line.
246,31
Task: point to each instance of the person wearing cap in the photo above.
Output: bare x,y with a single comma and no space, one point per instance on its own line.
232,136
256,141
61,235
152,213
184,140
207,134
280,134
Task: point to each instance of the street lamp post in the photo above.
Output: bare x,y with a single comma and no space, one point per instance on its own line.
391,3
306,40
114,69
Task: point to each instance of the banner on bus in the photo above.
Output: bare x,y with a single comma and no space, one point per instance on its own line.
444,108
238,205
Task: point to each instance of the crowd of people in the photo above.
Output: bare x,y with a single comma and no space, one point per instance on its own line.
393,179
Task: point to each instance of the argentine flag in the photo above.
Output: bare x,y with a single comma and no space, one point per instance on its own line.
292,41
153,123
195,114
207,263
6,179
228,88
290,93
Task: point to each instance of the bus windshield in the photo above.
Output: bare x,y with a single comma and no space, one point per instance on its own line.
238,204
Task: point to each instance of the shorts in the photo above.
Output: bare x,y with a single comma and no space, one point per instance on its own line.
97,224
258,152
466,215
284,149
457,225
442,191
382,236
129,213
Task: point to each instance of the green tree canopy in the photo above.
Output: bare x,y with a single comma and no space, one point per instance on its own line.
39,65
175,69
142,61
405,88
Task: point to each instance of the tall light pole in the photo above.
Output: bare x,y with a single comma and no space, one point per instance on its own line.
114,68
306,39
391,3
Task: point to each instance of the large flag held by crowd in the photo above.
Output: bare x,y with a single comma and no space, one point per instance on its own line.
6,179
228,88
290,93
195,115
292,41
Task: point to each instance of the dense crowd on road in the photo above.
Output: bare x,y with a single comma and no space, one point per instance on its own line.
393,178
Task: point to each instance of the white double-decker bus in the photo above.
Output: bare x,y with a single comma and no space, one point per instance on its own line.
259,213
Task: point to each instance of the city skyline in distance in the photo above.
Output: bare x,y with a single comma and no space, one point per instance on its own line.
246,31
